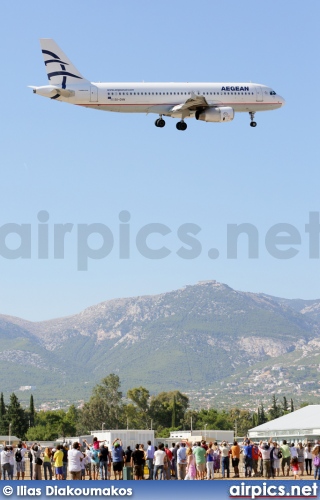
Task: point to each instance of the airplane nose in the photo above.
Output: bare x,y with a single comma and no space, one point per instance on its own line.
282,100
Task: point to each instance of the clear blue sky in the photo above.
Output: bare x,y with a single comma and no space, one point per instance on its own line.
84,166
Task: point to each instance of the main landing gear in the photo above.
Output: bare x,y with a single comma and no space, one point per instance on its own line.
252,123
181,125
160,122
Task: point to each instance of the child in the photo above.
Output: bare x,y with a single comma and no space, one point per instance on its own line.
295,467
83,465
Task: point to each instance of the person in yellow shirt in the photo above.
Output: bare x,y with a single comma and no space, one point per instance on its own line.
58,462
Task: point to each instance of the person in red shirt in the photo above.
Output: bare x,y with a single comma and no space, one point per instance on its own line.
255,459
204,445
167,471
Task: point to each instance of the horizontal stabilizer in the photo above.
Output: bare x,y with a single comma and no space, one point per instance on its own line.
51,90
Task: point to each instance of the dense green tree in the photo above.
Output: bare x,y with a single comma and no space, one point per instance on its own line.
3,422
190,420
161,407
68,424
16,417
254,420
242,421
291,405
105,405
165,432
41,433
31,412
275,410
262,419
214,419
174,411
140,397
285,405
133,418
50,425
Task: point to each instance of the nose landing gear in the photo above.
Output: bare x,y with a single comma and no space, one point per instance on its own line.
252,123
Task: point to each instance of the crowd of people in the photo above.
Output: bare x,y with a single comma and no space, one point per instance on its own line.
197,461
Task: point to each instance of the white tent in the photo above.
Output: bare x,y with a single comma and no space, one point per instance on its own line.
300,425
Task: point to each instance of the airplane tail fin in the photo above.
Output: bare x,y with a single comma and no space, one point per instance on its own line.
60,70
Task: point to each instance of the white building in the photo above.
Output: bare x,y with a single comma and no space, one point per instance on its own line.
300,425
197,435
129,437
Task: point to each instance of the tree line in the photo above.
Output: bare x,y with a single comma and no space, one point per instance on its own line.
108,409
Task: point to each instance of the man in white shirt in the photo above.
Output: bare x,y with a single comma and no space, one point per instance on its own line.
6,455
224,449
293,451
159,461
182,461
74,460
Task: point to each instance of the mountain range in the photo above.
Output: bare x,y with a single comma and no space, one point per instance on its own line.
207,340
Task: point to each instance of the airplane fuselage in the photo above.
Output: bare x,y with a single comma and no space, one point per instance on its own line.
160,98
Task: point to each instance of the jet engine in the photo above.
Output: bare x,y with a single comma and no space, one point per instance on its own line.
217,114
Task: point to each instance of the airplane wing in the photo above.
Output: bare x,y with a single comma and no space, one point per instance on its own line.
190,105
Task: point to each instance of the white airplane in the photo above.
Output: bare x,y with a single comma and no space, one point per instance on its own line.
209,102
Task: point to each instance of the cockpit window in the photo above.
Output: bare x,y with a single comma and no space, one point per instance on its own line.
272,92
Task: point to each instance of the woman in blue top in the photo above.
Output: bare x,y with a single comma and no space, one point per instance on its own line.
209,463
117,458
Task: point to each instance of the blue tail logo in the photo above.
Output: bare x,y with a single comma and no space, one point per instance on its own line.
56,59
